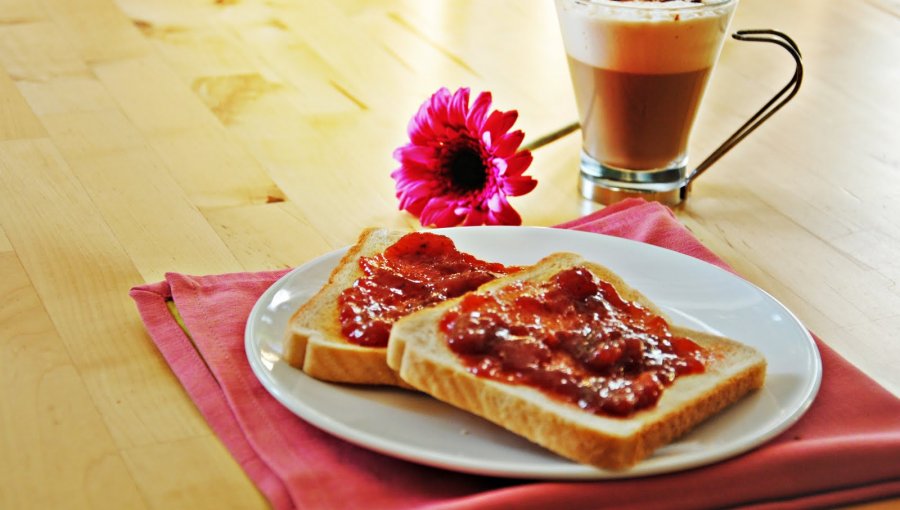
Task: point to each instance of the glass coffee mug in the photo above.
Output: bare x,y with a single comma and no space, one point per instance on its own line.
639,70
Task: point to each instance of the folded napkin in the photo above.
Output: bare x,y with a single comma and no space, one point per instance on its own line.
846,448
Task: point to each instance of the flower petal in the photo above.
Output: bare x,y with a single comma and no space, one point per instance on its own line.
504,215
478,112
517,164
408,173
437,112
458,108
495,201
419,127
507,144
517,186
417,188
439,213
498,123
414,206
486,139
421,154
499,166
474,217
439,100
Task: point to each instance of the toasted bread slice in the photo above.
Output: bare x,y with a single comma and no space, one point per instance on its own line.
418,351
314,342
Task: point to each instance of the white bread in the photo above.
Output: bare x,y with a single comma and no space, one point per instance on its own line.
314,342
418,351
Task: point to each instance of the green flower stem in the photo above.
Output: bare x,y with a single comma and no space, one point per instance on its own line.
551,137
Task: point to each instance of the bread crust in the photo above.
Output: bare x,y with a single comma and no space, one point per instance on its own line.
416,350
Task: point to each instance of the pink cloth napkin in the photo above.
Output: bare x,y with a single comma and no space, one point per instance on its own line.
846,448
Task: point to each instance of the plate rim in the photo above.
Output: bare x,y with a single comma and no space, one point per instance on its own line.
573,471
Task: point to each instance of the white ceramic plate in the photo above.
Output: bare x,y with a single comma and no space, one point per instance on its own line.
418,428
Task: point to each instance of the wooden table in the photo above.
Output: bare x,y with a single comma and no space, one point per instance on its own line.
139,137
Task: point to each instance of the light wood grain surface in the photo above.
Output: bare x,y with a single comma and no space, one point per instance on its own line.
207,136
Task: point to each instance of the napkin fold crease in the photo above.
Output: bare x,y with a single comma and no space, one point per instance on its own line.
845,450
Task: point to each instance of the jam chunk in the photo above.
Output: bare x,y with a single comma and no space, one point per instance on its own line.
419,270
574,338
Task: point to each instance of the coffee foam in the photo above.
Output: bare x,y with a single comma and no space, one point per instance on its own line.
642,36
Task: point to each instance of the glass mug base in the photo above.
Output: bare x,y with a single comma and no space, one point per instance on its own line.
606,184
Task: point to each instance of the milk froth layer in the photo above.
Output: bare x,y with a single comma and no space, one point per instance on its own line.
644,37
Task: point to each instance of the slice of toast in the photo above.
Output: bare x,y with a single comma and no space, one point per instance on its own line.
418,350
314,342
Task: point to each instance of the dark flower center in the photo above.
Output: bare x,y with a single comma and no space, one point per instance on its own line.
464,167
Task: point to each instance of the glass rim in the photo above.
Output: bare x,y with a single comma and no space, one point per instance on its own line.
654,5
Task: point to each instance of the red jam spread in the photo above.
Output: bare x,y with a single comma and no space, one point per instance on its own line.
574,338
419,270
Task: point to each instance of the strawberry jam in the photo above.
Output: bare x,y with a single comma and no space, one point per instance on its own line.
574,338
417,271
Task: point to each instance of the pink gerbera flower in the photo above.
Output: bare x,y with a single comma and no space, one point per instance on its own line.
461,163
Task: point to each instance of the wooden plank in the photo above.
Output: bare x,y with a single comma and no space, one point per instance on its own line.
227,96
477,37
55,449
36,51
287,58
97,29
174,13
97,147
192,473
195,51
14,12
214,170
352,57
273,236
5,245
153,96
312,155
852,307
210,165
82,274
66,94
338,177
16,118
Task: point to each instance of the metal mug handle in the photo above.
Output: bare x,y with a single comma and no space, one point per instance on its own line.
780,99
